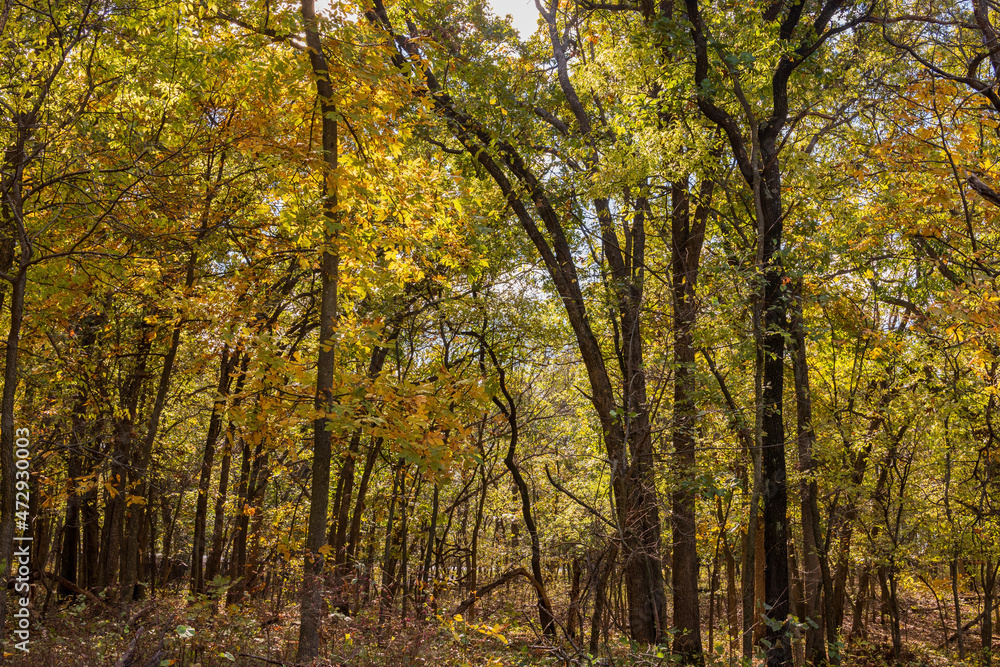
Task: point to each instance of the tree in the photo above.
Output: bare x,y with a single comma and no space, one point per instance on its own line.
756,147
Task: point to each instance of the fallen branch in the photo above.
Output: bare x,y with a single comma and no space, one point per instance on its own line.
965,627
493,585
128,659
66,583
157,658
271,661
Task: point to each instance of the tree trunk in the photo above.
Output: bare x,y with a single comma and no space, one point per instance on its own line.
342,504
953,570
218,528
686,244
312,581
91,537
815,646
123,438
732,600
606,565
205,479
858,619
625,426
774,491
130,552
986,626
359,504
389,554
546,617
71,527
425,570
573,620
7,425
238,553
169,523
477,524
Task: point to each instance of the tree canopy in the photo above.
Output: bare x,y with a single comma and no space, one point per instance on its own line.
371,332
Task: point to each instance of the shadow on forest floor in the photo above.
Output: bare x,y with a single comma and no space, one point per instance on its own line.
171,632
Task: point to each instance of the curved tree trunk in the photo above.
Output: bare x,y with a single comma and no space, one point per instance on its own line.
546,617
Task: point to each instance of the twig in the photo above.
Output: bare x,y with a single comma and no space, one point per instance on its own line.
271,661
560,487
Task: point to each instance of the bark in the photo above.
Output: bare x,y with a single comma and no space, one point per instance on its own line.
573,620
253,481
425,570
858,629
342,504
477,524
601,597
732,603
960,632
312,582
114,505
214,564
815,646
953,563
399,584
122,439
12,235
759,584
80,521
237,556
71,528
12,202
360,503
205,479
986,627
91,537
169,523
774,489
687,238
713,587
7,424
887,579
391,550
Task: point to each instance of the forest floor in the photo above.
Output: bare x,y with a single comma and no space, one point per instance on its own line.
170,631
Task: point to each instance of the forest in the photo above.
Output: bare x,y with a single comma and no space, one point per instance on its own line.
376,333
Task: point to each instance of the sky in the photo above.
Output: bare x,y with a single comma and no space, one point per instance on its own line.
523,12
